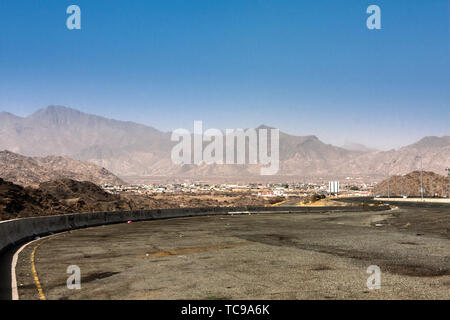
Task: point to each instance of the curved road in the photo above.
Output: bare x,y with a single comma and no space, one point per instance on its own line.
264,256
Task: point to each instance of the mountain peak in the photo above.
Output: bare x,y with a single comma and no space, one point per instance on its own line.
5,113
432,142
8,116
58,116
55,109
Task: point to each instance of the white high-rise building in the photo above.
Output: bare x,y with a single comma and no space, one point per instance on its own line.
333,187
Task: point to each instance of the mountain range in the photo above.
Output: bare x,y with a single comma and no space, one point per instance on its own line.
131,149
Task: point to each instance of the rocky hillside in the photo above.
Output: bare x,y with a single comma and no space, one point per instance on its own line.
56,197
409,185
26,171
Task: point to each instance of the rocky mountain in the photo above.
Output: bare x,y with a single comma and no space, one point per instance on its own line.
25,171
428,143
409,185
433,152
131,149
64,131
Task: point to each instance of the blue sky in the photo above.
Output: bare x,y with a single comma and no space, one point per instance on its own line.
306,67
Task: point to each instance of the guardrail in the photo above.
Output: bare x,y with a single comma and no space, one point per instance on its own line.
15,231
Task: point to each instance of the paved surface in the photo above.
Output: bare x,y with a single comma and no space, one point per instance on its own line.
290,203
266,256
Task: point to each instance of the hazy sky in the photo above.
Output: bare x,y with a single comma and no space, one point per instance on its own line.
306,67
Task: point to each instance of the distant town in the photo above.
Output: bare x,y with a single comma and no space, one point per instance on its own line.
261,190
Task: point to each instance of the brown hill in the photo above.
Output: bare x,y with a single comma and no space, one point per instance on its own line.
56,197
15,201
409,185
26,171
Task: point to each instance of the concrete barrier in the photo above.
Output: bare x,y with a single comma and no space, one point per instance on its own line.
18,230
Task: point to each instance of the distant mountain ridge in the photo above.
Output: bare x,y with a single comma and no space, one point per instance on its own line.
131,149
27,171
432,142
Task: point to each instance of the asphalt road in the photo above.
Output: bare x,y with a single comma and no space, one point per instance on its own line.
290,203
264,256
